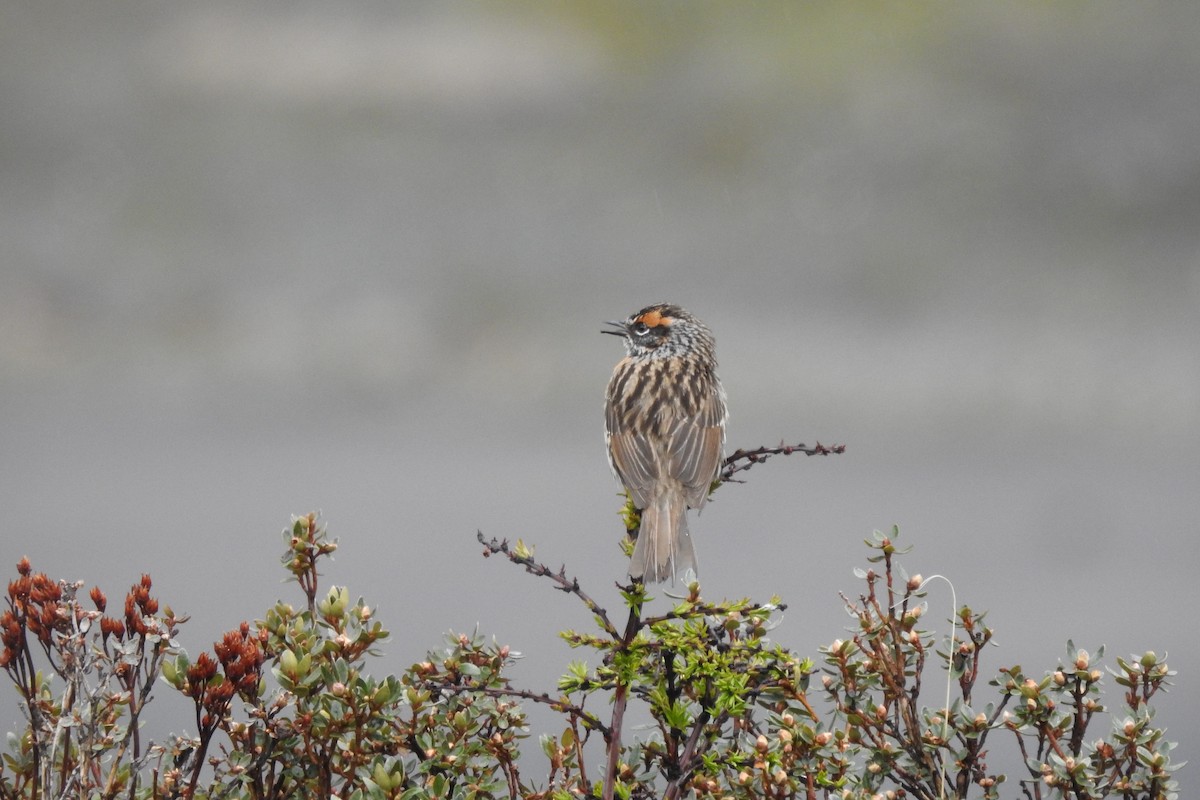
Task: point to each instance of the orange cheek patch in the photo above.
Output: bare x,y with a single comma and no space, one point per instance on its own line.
652,319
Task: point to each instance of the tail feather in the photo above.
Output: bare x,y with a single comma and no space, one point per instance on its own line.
664,546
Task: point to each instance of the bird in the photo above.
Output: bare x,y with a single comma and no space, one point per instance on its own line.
664,424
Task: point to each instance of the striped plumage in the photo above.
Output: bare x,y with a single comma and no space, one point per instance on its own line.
664,420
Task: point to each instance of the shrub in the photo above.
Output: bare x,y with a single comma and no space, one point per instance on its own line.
287,707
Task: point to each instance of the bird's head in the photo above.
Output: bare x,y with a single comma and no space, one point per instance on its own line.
661,330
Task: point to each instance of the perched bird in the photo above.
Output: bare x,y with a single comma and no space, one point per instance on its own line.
664,420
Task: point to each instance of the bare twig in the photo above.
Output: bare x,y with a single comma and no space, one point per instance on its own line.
565,584
742,460
687,761
620,698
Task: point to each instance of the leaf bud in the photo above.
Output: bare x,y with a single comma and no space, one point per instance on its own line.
288,663
335,602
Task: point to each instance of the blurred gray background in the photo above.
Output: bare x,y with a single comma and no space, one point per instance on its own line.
257,261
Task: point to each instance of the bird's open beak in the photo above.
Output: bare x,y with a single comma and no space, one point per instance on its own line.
621,330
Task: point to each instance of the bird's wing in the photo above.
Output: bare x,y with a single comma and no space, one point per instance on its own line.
696,446
632,458
689,450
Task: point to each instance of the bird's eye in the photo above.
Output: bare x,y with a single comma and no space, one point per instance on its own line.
639,329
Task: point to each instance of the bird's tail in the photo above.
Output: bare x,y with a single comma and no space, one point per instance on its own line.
664,546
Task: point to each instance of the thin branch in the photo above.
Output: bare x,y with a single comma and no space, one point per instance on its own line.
564,584
590,721
742,460
620,698
708,610
688,760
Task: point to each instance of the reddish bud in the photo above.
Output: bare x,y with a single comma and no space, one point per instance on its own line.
44,590
219,696
229,646
98,599
24,567
199,674
18,590
10,627
112,627
13,636
50,621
